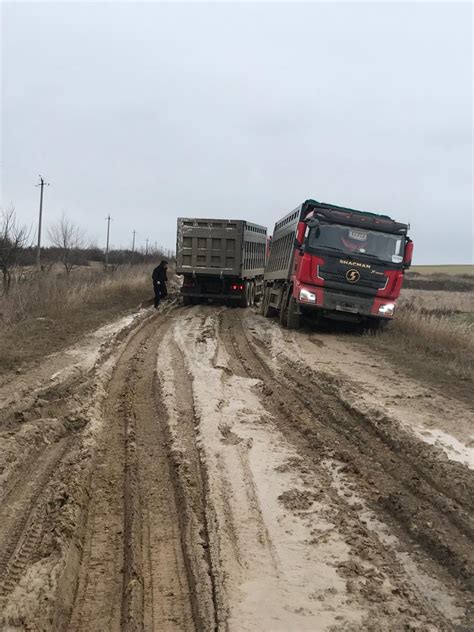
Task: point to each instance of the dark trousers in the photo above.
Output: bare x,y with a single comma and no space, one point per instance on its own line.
160,292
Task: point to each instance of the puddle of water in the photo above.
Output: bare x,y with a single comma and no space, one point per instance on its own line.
453,448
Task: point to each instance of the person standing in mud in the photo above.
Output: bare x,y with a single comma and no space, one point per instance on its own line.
159,282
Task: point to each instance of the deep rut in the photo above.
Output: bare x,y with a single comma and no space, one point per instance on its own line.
118,509
410,494
192,486
133,574
21,516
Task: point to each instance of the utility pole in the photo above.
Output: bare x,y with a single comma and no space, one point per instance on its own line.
108,218
41,184
132,258
146,247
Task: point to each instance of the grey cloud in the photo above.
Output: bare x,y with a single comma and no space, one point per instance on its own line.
153,110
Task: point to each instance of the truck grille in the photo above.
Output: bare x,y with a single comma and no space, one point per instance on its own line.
367,283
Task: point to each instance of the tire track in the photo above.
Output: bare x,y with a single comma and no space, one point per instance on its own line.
323,427
155,525
93,516
192,486
145,539
133,574
21,519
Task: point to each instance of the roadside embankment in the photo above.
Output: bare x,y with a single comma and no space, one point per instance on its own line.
46,312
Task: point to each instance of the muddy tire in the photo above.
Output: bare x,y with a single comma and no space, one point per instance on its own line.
374,325
258,294
265,308
244,300
283,315
252,293
284,308
293,316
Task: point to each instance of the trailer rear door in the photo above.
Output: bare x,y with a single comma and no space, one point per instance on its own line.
209,246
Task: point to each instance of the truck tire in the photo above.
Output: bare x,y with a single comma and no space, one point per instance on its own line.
187,300
293,316
284,309
262,310
265,308
252,293
375,324
244,299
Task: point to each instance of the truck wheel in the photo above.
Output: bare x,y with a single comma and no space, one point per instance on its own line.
293,316
187,300
284,309
376,324
263,309
252,293
244,300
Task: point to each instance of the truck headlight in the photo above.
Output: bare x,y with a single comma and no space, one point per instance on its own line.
306,295
387,310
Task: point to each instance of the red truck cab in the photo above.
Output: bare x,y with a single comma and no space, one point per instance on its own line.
337,263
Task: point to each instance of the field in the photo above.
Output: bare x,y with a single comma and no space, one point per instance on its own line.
45,312
433,335
446,269
446,279
200,468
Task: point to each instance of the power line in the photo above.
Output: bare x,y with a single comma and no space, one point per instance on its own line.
41,184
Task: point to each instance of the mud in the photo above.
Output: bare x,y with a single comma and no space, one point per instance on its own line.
202,469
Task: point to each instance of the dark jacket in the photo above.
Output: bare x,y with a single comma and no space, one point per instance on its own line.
159,275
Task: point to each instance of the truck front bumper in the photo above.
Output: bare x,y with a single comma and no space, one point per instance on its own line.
340,305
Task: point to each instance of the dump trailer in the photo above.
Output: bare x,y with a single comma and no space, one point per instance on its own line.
332,262
221,259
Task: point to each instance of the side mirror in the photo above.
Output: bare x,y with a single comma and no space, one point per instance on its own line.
408,255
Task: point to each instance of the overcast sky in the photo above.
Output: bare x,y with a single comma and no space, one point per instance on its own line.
151,111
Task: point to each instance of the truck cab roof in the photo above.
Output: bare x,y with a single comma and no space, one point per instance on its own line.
352,217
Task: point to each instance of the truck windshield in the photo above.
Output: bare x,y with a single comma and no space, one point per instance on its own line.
356,241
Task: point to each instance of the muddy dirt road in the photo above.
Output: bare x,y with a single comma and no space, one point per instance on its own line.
202,469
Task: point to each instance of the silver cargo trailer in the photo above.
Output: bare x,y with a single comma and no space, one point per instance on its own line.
220,259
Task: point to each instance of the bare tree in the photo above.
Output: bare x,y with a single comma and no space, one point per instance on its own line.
68,239
13,238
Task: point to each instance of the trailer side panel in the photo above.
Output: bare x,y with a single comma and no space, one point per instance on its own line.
280,261
254,250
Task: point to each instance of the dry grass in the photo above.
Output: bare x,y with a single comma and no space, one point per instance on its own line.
442,302
440,282
447,269
432,335
52,295
47,311
436,336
